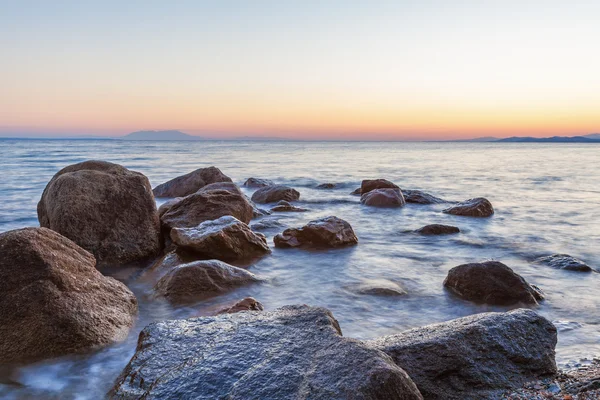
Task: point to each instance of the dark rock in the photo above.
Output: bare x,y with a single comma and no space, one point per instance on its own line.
187,184
104,208
476,356
166,206
266,225
437,229
284,206
53,300
378,287
356,192
201,280
247,304
491,282
419,197
272,194
295,352
225,238
166,263
324,232
258,183
371,184
383,198
478,207
565,261
327,186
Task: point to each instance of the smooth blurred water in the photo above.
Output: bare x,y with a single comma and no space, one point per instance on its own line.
546,196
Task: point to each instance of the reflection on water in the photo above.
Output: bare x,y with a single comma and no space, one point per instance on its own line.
546,199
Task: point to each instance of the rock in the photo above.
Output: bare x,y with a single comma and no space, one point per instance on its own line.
419,197
437,229
232,187
200,280
327,186
284,206
371,184
166,206
476,356
258,183
187,184
356,192
295,352
272,194
324,232
225,238
565,261
383,198
209,203
104,208
491,282
378,287
247,304
478,207
266,225
54,301
165,264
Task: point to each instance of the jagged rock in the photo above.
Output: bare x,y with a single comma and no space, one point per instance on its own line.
187,184
284,206
272,194
478,207
438,229
383,198
419,197
324,232
565,261
258,183
371,184
247,304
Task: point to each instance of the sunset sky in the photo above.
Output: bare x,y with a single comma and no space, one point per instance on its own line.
301,69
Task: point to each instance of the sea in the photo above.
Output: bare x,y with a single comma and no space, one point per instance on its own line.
546,199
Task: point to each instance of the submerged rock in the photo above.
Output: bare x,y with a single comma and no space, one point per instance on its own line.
476,356
53,300
438,229
491,282
247,304
225,238
258,183
327,186
324,232
478,207
383,198
272,194
419,197
284,206
201,280
104,208
378,287
565,261
295,352
371,184
187,184
164,264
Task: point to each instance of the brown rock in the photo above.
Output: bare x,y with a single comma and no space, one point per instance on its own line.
371,184
356,192
187,184
247,304
478,207
258,183
438,229
419,197
271,194
324,232
284,206
383,198
327,186
378,287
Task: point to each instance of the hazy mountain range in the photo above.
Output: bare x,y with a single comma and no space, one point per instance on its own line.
591,138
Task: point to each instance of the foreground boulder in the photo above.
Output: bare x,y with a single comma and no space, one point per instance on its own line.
225,238
54,301
476,356
258,183
201,280
383,198
104,208
566,262
284,206
247,304
491,282
371,184
295,352
438,229
324,232
187,184
272,194
479,207
419,197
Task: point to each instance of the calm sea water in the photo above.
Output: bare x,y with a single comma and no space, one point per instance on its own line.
546,196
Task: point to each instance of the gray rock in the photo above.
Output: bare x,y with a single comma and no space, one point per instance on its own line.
258,183
438,229
272,194
187,184
478,207
378,287
324,232
284,206
371,184
295,352
476,356
327,186
419,197
383,198
566,262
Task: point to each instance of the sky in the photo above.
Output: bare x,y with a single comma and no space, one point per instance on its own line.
405,70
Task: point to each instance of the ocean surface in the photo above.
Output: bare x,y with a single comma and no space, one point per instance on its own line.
546,197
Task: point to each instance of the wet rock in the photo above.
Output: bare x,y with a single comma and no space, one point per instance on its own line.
378,287
383,198
200,280
438,229
284,206
419,197
327,186
166,263
225,238
166,206
491,282
247,304
476,356
209,203
478,207
356,192
295,352
272,194
266,225
566,262
187,184
104,208
258,183
53,300
371,184
324,232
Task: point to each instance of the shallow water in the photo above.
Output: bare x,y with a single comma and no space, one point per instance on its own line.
546,198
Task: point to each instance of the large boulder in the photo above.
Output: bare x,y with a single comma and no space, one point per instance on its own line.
383,198
371,184
475,357
324,232
419,197
478,207
438,229
491,282
211,202
295,352
201,280
104,208
258,183
187,184
225,238
272,194
566,262
53,300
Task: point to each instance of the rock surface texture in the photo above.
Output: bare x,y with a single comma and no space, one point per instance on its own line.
383,198
478,207
258,183
272,194
247,304
438,229
419,197
566,262
371,184
324,232
187,184
284,206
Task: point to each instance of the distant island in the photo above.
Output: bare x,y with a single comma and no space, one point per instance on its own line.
159,135
591,138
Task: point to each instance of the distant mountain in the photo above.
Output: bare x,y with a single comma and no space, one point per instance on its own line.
479,139
554,139
595,136
159,135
